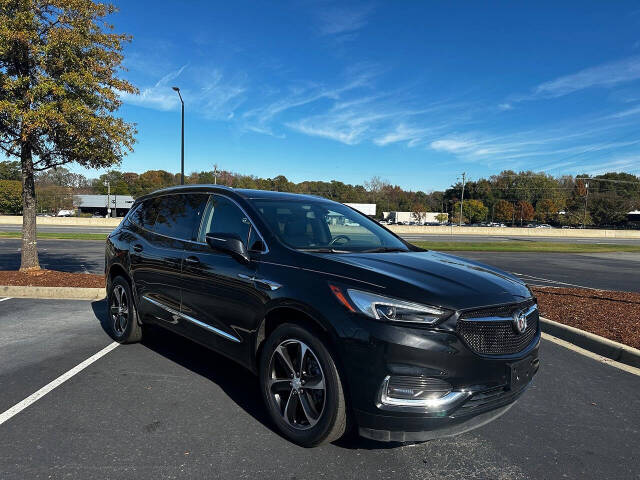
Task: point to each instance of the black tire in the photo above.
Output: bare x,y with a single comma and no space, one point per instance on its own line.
322,413
122,316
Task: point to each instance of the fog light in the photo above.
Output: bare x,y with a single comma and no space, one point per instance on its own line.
416,388
425,394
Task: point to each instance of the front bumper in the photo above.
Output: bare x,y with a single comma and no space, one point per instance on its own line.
482,387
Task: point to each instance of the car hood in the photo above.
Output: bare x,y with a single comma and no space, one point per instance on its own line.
441,279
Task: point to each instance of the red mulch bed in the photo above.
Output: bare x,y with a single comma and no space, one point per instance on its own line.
51,278
613,315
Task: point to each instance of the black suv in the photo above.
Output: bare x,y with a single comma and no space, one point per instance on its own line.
343,322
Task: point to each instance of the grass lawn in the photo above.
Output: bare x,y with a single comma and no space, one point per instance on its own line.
520,246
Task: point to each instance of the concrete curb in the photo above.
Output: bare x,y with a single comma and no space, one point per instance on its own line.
68,293
594,343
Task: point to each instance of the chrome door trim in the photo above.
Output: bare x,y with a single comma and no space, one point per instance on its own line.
270,284
195,321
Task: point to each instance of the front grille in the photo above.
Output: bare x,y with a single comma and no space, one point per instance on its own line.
491,331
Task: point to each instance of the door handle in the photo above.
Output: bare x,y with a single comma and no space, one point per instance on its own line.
137,248
192,260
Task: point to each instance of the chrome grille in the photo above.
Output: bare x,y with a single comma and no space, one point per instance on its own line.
491,331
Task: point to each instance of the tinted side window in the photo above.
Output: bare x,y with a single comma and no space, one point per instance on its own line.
179,215
145,213
224,216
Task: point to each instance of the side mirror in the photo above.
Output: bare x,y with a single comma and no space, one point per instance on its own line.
229,243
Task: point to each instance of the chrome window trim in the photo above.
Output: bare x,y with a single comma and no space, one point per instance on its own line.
253,225
209,194
195,321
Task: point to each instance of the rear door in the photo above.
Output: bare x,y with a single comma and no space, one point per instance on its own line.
221,297
157,273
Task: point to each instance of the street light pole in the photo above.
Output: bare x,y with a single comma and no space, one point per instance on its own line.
462,199
182,139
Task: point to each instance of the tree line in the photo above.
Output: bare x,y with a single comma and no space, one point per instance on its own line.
510,197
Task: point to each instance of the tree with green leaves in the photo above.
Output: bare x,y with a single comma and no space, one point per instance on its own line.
473,210
9,170
10,201
59,89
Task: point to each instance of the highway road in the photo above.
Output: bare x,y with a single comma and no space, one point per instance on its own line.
609,271
168,408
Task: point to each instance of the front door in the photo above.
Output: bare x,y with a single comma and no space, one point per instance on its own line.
220,296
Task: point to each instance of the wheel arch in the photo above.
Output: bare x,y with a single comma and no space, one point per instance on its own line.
289,313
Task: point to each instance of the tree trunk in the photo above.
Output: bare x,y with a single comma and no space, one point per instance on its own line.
29,259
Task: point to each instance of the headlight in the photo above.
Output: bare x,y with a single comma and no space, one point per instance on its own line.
385,308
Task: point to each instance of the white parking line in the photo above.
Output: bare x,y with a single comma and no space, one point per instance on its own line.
527,278
34,397
3,299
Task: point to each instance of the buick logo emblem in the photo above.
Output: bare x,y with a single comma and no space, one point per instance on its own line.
520,321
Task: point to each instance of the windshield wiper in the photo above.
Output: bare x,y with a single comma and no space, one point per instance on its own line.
384,250
323,250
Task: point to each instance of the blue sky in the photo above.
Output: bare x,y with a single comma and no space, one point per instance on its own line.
412,91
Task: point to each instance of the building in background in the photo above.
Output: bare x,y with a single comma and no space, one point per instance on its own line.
368,209
417,217
97,204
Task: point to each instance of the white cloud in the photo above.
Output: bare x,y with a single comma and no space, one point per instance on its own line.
605,76
342,19
402,133
207,92
626,113
505,106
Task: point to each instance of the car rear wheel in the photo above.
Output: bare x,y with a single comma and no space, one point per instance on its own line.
122,321
301,387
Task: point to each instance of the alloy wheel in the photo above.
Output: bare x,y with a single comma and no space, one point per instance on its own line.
297,384
119,310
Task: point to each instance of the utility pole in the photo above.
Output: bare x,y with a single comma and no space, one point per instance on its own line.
215,174
182,139
586,197
462,197
108,198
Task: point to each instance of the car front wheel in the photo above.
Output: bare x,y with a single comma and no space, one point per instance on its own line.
301,387
122,320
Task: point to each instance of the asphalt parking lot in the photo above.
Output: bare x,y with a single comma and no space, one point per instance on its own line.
167,408
609,271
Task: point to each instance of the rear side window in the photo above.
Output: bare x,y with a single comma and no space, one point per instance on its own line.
144,215
224,216
179,215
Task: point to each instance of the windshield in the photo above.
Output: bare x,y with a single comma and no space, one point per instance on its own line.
325,227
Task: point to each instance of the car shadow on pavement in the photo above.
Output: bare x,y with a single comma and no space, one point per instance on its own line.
238,383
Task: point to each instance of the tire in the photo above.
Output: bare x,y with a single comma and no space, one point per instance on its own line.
122,317
309,408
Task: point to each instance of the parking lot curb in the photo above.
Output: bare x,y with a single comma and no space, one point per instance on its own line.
67,293
594,343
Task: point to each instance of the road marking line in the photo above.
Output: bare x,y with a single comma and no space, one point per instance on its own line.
556,282
34,397
594,356
3,299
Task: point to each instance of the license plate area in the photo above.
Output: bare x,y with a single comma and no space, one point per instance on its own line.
521,373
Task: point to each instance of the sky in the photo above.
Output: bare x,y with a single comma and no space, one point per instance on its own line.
415,92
